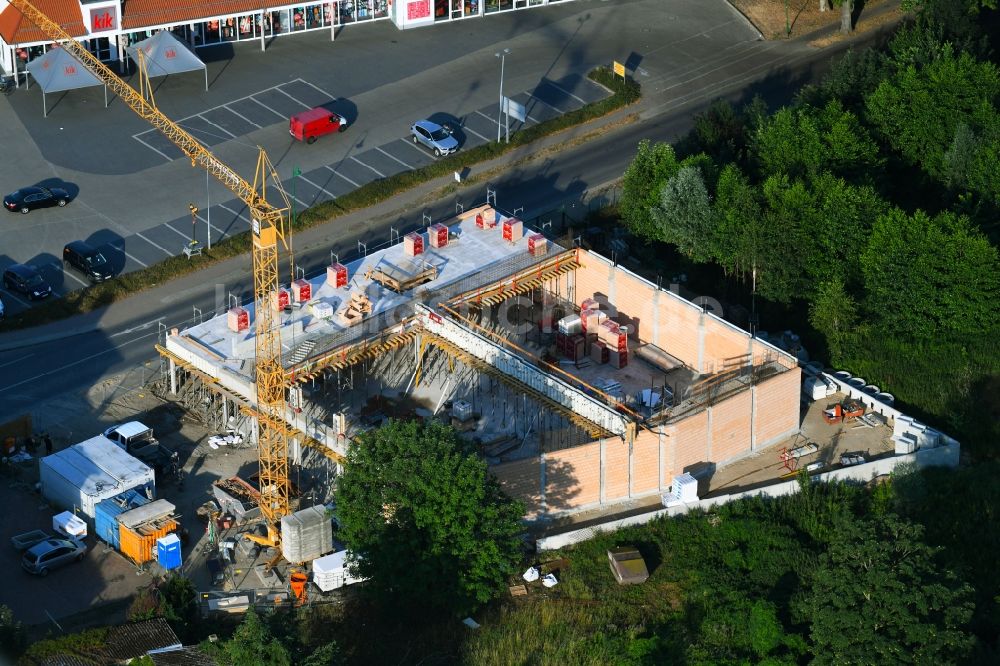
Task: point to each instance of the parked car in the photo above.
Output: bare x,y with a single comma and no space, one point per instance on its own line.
434,136
309,125
27,280
28,199
52,554
88,260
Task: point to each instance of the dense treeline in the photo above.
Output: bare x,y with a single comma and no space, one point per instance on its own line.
870,203
837,574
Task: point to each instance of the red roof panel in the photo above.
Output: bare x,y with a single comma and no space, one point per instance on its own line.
15,29
144,13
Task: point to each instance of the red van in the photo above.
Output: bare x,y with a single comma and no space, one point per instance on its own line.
308,125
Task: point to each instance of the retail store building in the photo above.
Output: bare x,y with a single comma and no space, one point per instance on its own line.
108,26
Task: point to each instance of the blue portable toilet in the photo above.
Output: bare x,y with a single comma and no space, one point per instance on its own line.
168,552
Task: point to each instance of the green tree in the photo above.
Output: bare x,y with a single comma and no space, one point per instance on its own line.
430,525
684,214
739,224
12,637
805,141
930,278
644,178
253,645
844,217
833,313
324,655
919,110
877,596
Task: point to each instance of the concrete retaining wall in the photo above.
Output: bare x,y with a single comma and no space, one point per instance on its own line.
946,456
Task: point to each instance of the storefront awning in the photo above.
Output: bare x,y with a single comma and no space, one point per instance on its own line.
165,54
58,71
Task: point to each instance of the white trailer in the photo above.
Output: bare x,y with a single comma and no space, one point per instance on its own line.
79,477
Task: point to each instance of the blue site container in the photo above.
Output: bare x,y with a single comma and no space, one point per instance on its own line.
168,552
107,511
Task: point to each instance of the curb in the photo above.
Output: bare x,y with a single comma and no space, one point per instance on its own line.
760,35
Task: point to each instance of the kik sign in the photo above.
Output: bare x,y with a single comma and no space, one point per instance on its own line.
104,19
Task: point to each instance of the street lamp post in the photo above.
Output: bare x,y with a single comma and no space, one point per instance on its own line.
194,221
500,55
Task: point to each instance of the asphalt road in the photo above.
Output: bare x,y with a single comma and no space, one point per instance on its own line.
41,367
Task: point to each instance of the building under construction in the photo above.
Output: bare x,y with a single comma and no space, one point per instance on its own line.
583,384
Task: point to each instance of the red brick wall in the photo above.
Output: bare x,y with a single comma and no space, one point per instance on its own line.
521,479
778,406
615,469
573,477
691,440
645,463
731,427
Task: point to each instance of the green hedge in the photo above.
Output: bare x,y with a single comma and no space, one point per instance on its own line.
625,92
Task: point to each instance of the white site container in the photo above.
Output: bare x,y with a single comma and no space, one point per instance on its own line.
905,443
118,463
462,410
570,325
84,474
331,572
306,534
68,524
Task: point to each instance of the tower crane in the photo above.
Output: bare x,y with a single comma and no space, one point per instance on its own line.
268,228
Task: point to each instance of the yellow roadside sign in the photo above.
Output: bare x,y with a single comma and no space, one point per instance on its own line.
619,69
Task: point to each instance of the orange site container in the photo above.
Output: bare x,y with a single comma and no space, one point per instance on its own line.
139,543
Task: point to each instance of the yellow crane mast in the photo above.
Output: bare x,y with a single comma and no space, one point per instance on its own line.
268,226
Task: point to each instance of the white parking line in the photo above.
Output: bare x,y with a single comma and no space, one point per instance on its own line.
212,225
236,213
240,115
560,88
329,194
332,98
141,263
392,157
169,254
297,101
280,115
17,298
546,103
69,273
136,137
342,175
217,125
300,201
414,146
381,175
476,133
184,236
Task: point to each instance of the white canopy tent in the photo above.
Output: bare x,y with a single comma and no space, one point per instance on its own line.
165,54
59,70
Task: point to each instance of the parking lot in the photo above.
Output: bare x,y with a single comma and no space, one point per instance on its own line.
131,189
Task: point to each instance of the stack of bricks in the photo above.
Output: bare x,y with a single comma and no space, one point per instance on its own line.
616,338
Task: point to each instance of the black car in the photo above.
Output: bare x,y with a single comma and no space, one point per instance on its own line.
87,260
27,280
29,198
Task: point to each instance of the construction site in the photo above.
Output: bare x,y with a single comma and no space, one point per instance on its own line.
583,384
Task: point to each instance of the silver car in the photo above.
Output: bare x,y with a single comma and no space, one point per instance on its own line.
52,554
434,136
